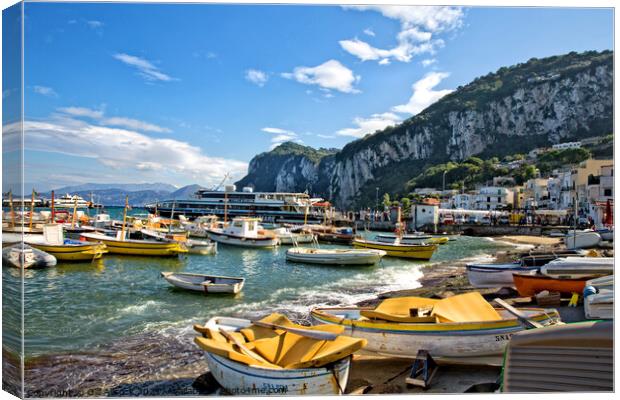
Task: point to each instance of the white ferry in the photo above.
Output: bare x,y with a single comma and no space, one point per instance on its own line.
269,206
68,201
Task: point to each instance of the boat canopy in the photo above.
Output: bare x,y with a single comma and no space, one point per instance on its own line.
468,307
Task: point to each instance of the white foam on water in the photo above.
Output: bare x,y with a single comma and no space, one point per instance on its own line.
141,308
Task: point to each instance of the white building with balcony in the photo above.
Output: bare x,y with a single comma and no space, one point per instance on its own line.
493,198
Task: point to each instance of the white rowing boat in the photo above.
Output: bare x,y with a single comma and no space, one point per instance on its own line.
496,275
334,256
204,283
579,267
249,360
582,239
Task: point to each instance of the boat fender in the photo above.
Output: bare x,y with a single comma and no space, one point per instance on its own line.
588,291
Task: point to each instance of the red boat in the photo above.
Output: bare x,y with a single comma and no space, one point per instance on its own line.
530,285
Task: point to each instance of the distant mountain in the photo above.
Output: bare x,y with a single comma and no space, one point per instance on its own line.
513,110
127,187
185,192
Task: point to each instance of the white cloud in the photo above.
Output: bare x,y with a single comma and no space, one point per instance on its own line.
256,76
145,68
431,18
429,61
364,126
82,112
281,136
94,24
423,93
129,123
418,25
325,136
329,75
45,91
125,149
369,32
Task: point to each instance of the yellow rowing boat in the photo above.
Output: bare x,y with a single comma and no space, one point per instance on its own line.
417,251
74,250
137,247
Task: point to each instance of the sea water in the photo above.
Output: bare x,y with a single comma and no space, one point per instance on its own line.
94,306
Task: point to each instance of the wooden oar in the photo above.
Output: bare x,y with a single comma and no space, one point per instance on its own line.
319,335
242,347
528,322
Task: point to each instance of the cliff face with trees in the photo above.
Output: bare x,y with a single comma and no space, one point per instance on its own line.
513,110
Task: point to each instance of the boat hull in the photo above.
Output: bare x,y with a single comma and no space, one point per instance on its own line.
582,240
77,252
241,241
220,284
27,257
245,380
418,252
529,285
335,258
296,238
476,343
138,247
495,275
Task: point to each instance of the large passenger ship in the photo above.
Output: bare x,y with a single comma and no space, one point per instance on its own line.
269,206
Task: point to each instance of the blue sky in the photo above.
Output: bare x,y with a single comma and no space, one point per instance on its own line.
185,93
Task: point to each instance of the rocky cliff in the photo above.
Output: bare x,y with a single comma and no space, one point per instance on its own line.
515,109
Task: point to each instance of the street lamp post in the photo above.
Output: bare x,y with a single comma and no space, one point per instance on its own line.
377,198
444,181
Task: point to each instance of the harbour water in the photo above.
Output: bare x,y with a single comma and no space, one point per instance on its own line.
121,304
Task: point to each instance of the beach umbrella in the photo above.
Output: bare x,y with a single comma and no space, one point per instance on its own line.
609,218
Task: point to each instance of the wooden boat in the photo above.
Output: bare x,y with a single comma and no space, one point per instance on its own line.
203,247
287,237
412,239
334,256
540,258
579,267
250,360
462,329
332,234
582,239
135,247
24,256
243,231
204,283
74,250
530,285
598,298
416,251
496,275
577,357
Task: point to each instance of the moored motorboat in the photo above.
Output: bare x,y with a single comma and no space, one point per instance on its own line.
248,359
194,246
415,251
204,283
245,232
462,329
496,275
117,245
579,267
335,256
24,256
530,285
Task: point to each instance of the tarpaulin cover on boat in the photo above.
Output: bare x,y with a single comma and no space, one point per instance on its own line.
399,309
283,349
